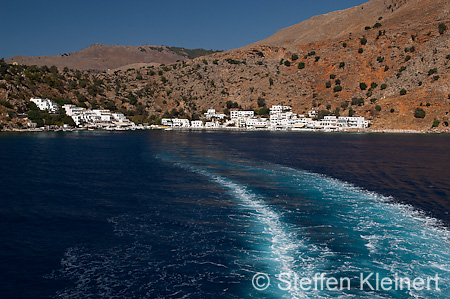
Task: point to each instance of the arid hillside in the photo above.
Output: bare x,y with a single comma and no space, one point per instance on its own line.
385,60
101,57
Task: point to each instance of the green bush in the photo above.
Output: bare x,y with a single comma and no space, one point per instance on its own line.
294,57
367,28
351,112
301,65
332,76
360,50
328,84
373,85
392,110
337,88
7,104
261,102
403,92
232,61
341,64
378,107
363,86
363,41
419,113
432,71
344,45
377,25
263,111
383,86
287,63
435,123
442,28
357,101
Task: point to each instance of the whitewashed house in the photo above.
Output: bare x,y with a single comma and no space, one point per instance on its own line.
353,122
175,122
211,113
241,114
280,109
45,104
196,124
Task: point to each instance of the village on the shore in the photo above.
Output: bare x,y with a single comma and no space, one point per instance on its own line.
280,118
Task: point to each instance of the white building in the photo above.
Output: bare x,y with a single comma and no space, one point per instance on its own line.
211,113
211,124
329,121
282,118
280,109
352,122
241,114
196,124
175,122
257,123
312,113
97,117
45,104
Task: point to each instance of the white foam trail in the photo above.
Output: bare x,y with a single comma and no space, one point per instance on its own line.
399,238
285,246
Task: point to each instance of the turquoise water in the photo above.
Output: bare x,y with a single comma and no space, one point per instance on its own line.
198,215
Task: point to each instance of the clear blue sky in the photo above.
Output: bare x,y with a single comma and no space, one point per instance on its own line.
51,27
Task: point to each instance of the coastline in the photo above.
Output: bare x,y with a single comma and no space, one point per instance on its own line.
235,129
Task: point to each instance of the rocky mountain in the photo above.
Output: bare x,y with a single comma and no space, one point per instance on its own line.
396,15
100,57
386,60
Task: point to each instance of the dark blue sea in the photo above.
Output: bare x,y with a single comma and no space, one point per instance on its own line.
167,214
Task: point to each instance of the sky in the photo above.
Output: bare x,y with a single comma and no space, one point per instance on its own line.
53,27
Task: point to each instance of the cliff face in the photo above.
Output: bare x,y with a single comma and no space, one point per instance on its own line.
381,60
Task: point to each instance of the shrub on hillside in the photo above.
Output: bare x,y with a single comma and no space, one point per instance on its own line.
357,101
442,28
363,86
419,113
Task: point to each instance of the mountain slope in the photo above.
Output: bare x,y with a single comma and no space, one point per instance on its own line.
399,14
100,57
